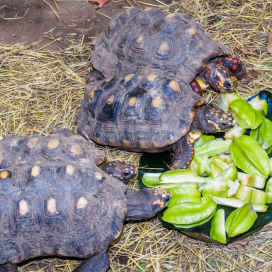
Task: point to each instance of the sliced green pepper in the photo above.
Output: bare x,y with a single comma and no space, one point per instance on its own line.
218,231
247,155
189,213
240,220
245,115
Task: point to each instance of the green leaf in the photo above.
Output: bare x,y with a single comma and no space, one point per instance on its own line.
245,115
248,155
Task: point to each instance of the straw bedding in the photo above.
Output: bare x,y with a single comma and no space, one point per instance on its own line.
41,91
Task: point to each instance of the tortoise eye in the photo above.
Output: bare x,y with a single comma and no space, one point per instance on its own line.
126,172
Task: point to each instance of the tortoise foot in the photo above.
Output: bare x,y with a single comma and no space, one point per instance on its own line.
8,268
97,263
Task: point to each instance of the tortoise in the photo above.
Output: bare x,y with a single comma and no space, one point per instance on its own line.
148,114
63,145
172,45
68,209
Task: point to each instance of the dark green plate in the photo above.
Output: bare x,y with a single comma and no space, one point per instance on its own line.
156,163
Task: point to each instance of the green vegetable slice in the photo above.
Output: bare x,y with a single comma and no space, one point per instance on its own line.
213,147
151,179
184,192
203,139
235,132
178,200
247,155
240,220
263,134
189,213
259,105
245,115
226,99
171,185
218,231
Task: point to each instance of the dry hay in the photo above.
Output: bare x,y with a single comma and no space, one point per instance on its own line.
41,91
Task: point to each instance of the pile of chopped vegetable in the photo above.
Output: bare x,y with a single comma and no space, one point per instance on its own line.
230,172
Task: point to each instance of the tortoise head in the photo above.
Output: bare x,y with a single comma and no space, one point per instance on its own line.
212,120
220,78
125,172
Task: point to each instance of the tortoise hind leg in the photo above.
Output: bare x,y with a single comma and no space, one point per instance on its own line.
97,263
8,268
184,153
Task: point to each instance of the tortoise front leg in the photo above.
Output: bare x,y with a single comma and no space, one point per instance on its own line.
97,263
8,268
184,153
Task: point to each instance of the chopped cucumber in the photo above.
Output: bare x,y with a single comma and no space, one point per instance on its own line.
213,147
258,196
233,187
179,176
171,185
218,231
178,200
151,179
235,132
226,99
243,193
203,139
237,203
259,105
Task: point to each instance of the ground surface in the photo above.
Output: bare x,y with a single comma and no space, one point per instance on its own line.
41,89
35,22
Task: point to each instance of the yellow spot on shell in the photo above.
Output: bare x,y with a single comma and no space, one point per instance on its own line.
52,144
51,205
192,31
109,79
98,175
70,169
192,114
35,171
110,100
99,160
174,85
76,149
23,207
164,46
151,77
144,144
1,158
132,101
4,174
129,77
81,203
127,143
201,102
171,15
32,142
91,94
157,101
112,142
140,39
13,142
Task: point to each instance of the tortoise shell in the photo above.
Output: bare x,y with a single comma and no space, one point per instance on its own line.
137,113
153,41
15,150
56,208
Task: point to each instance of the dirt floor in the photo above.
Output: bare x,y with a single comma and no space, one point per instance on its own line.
54,23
